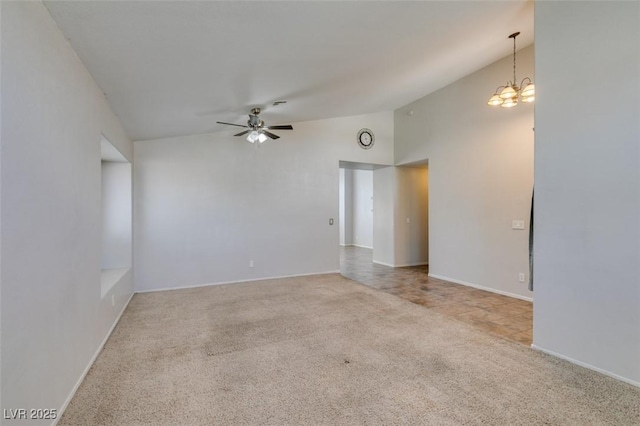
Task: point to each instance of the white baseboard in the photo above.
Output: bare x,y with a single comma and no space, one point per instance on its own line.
361,246
585,365
356,245
236,281
480,287
403,265
383,263
91,361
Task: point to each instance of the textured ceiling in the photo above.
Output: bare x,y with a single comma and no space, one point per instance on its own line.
174,68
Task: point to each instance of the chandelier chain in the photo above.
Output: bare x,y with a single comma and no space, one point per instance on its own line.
514,61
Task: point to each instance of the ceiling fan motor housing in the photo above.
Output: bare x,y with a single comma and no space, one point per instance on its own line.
254,121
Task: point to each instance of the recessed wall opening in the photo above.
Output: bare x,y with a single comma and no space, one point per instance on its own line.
116,216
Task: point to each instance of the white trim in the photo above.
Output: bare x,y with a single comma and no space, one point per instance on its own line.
110,277
585,365
236,281
383,264
361,246
93,359
356,245
404,265
480,287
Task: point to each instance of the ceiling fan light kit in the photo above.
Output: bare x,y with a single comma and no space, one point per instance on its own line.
255,136
507,96
257,131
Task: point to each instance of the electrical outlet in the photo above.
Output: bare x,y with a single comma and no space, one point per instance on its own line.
251,264
521,277
330,221
517,224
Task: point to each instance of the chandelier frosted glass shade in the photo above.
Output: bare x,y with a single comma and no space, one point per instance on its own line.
508,93
495,100
529,90
528,94
510,103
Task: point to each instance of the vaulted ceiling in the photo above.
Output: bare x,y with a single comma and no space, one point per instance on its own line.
175,68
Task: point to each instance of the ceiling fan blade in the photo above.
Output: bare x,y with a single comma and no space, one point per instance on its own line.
242,133
231,124
271,135
281,127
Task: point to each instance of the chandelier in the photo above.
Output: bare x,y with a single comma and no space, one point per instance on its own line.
507,96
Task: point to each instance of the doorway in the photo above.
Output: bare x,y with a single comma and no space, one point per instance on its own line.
356,216
356,208
384,217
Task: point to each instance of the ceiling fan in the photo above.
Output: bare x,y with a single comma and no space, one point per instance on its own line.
256,129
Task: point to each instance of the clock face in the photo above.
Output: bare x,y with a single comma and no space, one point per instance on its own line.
365,138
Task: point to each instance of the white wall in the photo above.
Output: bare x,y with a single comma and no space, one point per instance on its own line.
356,207
53,317
480,176
341,207
587,224
117,215
346,207
363,208
384,187
411,217
206,205
401,193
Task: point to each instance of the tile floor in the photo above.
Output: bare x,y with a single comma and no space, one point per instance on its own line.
499,315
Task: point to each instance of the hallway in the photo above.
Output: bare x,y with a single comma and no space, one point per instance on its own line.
499,315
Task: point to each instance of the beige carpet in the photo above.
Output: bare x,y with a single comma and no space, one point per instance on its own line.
324,350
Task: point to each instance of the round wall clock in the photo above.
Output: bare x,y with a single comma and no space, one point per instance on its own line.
365,138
